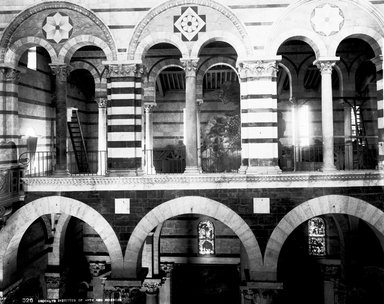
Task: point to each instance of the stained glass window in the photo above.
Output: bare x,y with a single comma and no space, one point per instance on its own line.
316,236
206,232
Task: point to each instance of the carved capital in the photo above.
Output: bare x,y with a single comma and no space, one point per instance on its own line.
61,71
148,107
52,281
190,66
102,102
151,286
325,66
258,68
125,70
199,102
167,268
96,268
261,292
9,74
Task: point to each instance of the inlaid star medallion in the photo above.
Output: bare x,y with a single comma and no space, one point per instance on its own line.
189,23
327,19
57,27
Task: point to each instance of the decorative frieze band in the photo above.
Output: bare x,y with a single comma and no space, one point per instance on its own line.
258,68
125,70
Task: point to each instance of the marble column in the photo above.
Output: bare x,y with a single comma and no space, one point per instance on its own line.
190,66
102,136
325,66
198,131
9,114
151,287
149,167
61,72
378,62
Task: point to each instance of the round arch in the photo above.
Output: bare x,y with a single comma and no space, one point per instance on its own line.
309,37
75,43
19,222
156,38
194,205
84,65
329,204
373,38
206,65
25,14
243,48
17,49
153,13
150,82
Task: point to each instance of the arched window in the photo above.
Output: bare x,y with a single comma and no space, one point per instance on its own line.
206,232
316,236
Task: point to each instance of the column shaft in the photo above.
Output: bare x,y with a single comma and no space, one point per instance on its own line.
61,72
190,117
378,61
325,67
150,169
102,136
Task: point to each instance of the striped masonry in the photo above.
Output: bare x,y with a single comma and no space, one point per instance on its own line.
380,108
259,129
9,131
124,118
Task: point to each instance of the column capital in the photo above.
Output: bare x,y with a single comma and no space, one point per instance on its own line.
325,64
190,66
60,70
52,280
151,286
261,292
95,268
9,74
102,102
124,69
199,102
149,106
257,68
167,268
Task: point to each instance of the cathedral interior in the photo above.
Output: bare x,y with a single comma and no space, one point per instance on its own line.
195,151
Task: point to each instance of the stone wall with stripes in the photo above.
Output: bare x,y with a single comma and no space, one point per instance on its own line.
124,118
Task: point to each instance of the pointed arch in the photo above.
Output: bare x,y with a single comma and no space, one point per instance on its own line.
19,222
194,205
329,204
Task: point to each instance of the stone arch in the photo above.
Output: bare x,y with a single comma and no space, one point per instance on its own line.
19,222
206,65
154,72
243,49
314,41
194,205
25,14
73,44
140,28
13,54
54,257
373,38
156,38
328,204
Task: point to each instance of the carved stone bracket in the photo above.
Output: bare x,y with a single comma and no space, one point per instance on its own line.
61,71
258,68
190,66
125,70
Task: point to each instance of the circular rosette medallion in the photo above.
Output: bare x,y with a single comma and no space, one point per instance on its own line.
57,27
327,19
